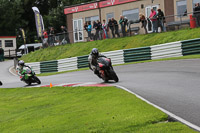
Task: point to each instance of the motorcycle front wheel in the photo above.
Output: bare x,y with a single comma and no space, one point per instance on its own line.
114,75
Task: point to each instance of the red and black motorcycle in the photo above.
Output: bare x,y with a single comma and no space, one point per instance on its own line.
106,70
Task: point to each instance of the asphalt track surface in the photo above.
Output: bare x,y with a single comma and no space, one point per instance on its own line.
172,85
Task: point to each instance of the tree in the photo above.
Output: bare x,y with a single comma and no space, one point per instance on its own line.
17,14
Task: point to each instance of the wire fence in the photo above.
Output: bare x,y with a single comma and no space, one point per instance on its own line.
10,54
171,22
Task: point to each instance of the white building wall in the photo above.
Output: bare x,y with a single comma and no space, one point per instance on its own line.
6,49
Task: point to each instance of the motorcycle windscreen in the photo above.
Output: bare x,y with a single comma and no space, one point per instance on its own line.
28,70
103,61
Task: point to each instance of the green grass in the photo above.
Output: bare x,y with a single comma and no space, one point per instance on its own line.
84,48
80,110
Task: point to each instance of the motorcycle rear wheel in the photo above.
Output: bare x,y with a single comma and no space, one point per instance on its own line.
106,80
28,82
1,83
37,80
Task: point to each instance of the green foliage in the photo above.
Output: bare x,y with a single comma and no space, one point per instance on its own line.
80,109
17,14
84,48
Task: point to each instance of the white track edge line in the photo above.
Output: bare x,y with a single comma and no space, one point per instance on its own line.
163,110
12,72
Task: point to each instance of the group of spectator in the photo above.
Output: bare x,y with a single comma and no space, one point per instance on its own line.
102,29
154,21
51,37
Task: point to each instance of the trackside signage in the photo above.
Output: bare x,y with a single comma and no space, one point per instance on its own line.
95,5
81,8
113,2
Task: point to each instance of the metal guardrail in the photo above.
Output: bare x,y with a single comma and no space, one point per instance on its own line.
49,66
83,61
191,47
174,49
166,50
137,54
117,57
67,64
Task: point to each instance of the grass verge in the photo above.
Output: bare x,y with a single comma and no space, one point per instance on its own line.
84,48
80,109
165,59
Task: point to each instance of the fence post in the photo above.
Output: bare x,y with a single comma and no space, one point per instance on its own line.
9,53
181,20
15,52
15,62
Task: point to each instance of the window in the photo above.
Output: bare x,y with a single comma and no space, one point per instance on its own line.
195,1
181,7
0,44
131,14
91,19
78,30
8,43
109,16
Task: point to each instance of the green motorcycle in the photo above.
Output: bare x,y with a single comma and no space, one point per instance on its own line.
29,76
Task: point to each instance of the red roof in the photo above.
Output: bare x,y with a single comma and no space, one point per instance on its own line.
8,36
95,5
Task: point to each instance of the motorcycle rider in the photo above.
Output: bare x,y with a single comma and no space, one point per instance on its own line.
20,67
93,64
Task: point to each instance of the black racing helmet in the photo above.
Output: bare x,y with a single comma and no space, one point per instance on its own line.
95,52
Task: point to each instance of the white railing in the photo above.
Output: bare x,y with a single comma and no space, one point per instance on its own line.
67,64
117,57
166,50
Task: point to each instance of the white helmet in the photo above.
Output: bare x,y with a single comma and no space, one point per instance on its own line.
21,63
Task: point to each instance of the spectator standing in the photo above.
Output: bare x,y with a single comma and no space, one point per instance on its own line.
89,29
111,26
86,26
45,39
149,24
122,23
104,27
116,27
196,14
66,35
51,36
95,26
126,23
144,22
161,20
153,18
99,27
